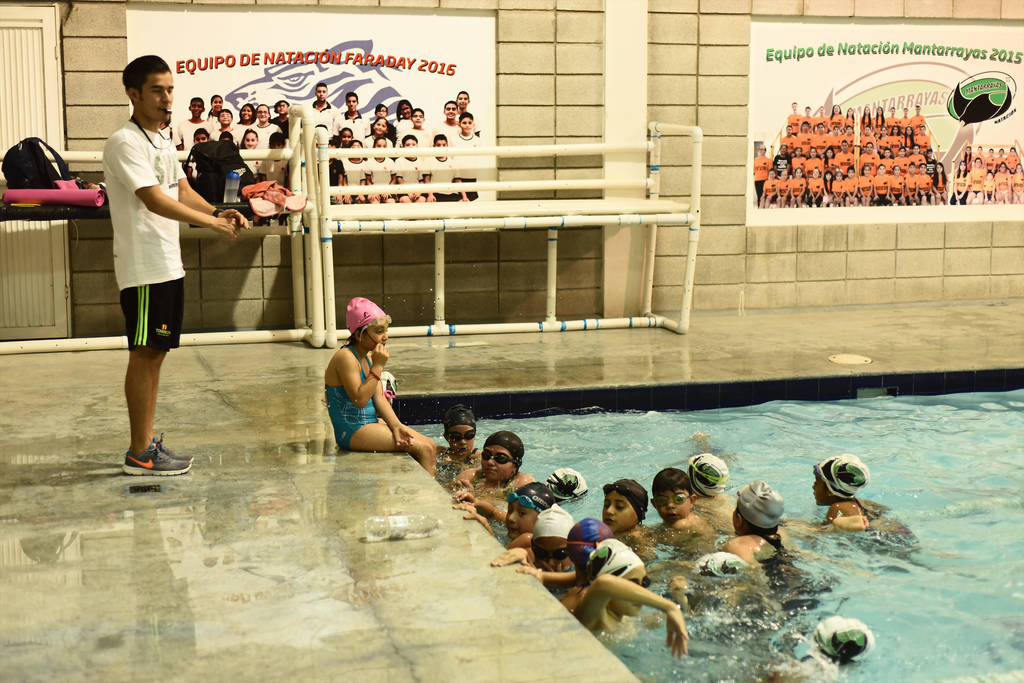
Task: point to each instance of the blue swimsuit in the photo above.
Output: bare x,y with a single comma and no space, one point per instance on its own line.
345,416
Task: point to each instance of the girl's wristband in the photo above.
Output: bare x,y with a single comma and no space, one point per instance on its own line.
374,374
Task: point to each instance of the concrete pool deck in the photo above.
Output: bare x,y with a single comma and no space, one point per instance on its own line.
253,565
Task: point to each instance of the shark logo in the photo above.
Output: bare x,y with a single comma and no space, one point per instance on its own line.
297,82
981,97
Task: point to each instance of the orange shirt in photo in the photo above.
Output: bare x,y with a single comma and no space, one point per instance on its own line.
910,182
881,184
1017,182
805,140
813,163
795,120
924,183
990,186
960,184
923,141
844,160
872,159
977,179
864,184
761,166
917,159
1002,181
797,186
917,121
771,187
897,184
816,185
790,141
795,163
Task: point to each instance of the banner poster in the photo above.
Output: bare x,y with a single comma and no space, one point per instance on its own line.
252,56
868,122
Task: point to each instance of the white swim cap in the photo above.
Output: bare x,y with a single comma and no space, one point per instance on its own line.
708,474
614,557
843,639
843,475
759,504
553,522
567,484
720,564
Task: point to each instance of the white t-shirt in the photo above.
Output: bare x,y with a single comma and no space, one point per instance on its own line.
424,138
470,166
355,173
276,169
264,134
146,246
450,132
408,171
357,126
443,171
323,117
185,133
379,171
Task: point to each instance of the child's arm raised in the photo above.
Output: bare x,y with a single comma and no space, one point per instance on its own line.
343,371
607,587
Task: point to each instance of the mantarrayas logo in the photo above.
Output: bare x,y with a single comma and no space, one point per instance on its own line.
982,97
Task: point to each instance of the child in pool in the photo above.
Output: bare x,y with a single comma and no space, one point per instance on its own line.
836,484
756,521
708,476
524,505
625,506
674,500
460,433
617,589
549,548
500,460
362,417
567,484
581,540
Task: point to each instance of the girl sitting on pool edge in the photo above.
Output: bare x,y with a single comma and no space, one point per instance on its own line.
362,417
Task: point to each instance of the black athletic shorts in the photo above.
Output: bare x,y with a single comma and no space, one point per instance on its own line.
153,314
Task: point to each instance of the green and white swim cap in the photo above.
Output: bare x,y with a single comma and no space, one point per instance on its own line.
843,639
614,557
843,475
708,474
720,564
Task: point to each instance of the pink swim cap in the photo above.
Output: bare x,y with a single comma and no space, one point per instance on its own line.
362,312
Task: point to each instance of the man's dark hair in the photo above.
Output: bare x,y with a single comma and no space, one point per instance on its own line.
279,102
351,94
417,109
139,69
200,100
321,83
439,137
276,139
465,115
462,92
198,132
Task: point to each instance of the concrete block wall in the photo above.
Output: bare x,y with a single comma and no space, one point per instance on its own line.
550,64
808,265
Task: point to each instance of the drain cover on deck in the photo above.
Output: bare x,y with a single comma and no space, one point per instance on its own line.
849,359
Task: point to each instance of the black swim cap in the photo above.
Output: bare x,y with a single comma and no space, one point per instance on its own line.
633,492
459,414
510,442
537,492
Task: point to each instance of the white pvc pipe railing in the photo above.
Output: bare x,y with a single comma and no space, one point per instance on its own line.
682,325
315,304
503,216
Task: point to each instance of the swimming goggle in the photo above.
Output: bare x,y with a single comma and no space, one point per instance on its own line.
499,458
678,499
558,554
459,436
525,501
643,583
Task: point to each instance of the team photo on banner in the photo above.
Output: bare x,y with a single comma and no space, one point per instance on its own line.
397,79
870,121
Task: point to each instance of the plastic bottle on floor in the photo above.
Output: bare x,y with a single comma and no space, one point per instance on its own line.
395,527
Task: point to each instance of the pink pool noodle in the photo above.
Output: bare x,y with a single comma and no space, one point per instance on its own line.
64,197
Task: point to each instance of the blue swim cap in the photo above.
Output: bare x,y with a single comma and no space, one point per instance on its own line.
584,537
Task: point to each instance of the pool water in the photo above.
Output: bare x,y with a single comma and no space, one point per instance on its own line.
949,467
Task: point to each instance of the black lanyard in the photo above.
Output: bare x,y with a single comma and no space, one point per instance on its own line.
168,138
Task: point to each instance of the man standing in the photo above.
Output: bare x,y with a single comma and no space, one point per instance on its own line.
149,195
352,119
323,113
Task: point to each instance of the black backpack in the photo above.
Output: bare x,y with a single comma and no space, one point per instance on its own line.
213,161
26,166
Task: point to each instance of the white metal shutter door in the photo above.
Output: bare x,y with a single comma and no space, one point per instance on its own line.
33,255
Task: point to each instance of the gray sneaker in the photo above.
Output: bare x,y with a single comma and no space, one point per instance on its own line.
154,461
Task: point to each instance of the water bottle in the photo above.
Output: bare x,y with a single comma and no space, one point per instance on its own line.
231,187
395,527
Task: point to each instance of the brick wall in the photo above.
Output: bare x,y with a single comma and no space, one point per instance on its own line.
550,63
